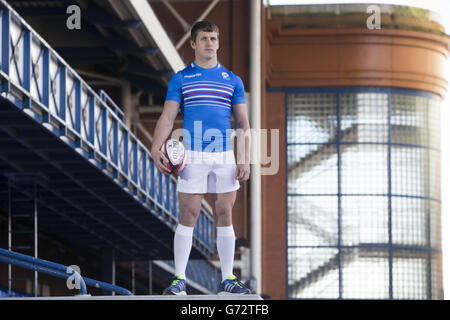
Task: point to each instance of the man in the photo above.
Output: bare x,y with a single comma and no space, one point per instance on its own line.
207,93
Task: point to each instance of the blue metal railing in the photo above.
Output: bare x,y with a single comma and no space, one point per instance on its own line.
107,99
40,83
57,270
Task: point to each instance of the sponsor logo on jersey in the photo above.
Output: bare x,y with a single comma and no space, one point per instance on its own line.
193,75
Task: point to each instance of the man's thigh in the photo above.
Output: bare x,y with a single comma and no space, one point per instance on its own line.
190,204
190,200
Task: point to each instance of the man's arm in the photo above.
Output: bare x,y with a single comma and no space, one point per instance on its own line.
162,131
243,134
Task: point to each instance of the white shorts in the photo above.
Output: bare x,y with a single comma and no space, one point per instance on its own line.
208,172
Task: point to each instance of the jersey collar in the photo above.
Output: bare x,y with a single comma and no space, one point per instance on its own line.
194,65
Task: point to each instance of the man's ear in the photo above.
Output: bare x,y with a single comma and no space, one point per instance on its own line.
192,44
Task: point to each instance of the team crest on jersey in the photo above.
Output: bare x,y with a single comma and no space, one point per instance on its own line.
226,76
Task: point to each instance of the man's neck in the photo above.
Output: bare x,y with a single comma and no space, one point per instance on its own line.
207,64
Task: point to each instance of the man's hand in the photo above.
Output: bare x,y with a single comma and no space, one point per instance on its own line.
242,172
160,161
162,131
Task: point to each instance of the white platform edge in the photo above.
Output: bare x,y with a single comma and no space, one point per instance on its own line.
147,297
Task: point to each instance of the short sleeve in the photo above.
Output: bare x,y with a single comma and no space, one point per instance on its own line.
174,89
239,91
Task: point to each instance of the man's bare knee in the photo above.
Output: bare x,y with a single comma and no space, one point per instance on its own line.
224,218
188,216
223,209
223,213
190,205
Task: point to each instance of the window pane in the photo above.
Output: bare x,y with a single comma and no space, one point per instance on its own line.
311,117
409,119
365,274
364,117
364,169
312,169
436,276
312,221
435,224
435,174
409,168
409,221
434,107
364,220
313,273
409,274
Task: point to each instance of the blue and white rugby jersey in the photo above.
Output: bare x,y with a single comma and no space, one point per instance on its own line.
206,97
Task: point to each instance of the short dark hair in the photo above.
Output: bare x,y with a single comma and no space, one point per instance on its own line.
206,26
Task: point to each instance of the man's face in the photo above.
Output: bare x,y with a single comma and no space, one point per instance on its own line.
206,44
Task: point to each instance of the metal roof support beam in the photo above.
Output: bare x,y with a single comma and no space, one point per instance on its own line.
180,19
99,76
145,132
127,104
136,66
150,21
202,16
123,45
117,42
99,16
143,83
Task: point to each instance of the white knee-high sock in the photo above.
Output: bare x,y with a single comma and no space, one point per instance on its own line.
182,245
225,248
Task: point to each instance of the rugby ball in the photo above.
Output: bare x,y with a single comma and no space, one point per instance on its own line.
175,153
